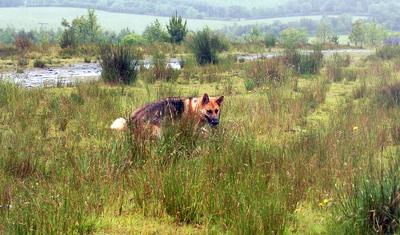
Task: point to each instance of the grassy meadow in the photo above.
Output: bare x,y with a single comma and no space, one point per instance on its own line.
311,154
50,18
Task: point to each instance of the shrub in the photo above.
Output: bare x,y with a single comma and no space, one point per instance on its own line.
133,40
270,40
68,39
155,33
38,63
270,71
292,38
205,45
118,63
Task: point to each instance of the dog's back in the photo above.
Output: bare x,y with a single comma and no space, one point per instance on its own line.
153,113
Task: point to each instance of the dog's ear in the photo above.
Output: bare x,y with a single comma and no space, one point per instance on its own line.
220,100
205,99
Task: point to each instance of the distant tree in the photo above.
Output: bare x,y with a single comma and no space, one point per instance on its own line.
68,39
155,33
82,30
335,39
177,29
206,45
375,34
254,35
357,35
87,27
291,38
270,40
123,33
324,32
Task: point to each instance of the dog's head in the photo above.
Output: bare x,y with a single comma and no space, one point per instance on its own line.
210,109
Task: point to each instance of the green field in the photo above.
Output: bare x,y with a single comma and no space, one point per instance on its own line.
50,17
249,3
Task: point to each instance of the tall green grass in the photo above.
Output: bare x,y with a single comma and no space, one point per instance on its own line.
61,168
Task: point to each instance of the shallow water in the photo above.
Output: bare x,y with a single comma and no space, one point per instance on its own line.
56,76
326,53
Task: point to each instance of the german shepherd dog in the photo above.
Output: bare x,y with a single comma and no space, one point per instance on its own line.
202,110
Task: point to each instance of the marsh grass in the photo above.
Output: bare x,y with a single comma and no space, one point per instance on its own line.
272,72
374,202
389,94
61,168
119,63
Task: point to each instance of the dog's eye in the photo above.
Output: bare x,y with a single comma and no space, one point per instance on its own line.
209,111
216,111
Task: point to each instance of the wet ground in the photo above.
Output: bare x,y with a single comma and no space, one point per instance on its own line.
56,76
326,53
70,75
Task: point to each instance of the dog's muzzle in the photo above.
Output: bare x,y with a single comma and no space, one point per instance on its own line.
213,122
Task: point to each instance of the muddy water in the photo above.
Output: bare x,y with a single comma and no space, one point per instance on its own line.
57,76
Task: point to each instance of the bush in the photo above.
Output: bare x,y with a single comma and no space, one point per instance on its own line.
270,71
133,40
304,63
270,40
38,63
119,63
68,39
205,46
